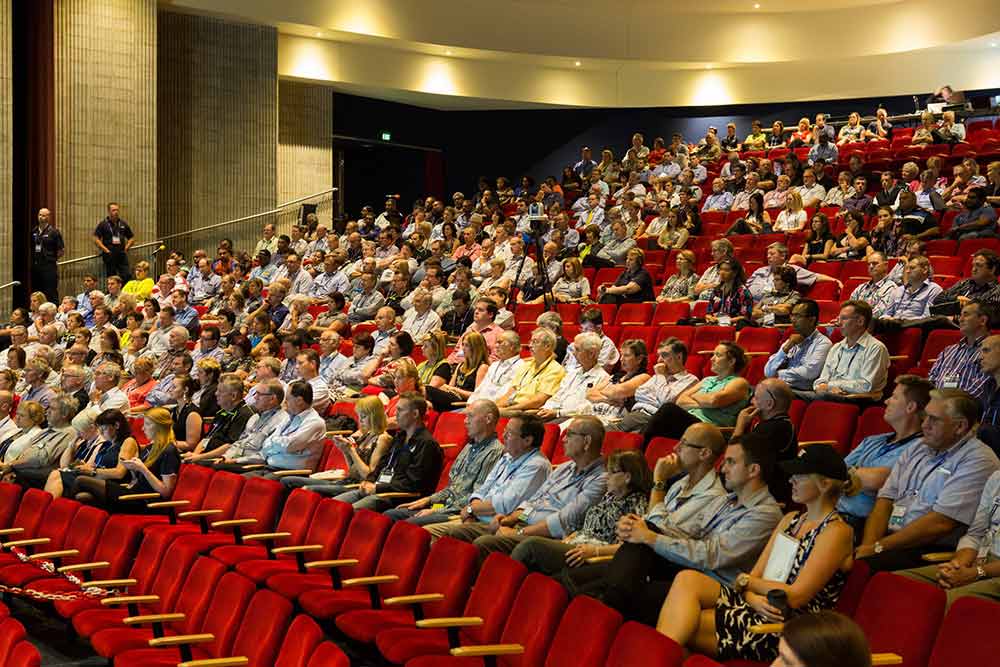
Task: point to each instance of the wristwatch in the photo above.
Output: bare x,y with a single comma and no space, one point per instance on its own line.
878,548
660,485
520,531
468,510
980,573
742,582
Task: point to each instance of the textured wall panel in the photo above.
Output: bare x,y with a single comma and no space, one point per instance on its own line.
105,91
218,126
6,153
305,152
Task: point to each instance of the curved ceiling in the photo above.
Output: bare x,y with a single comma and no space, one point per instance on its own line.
638,52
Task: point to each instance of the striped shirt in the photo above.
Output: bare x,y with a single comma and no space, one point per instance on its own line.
958,366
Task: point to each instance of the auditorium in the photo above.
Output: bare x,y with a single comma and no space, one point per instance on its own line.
446,333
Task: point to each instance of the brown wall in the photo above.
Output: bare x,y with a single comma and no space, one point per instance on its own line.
6,152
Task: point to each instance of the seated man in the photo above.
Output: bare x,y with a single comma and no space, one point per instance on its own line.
518,473
870,463
266,420
592,320
957,366
420,320
298,443
471,467
857,367
670,379
501,372
696,524
767,415
799,360
556,509
913,301
411,466
230,420
880,291
977,220
932,492
307,367
776,306
761,281
981,284
571,395
538,379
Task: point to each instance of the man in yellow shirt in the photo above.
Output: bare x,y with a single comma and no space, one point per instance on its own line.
538,379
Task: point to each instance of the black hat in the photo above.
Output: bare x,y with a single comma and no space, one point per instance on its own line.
818,459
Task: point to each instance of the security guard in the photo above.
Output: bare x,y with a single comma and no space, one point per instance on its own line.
114,237
46,248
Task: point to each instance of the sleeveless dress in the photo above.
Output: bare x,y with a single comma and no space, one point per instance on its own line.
734,616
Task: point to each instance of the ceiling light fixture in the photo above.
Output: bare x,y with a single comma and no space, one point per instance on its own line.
448,52
756,5
576,64
319,34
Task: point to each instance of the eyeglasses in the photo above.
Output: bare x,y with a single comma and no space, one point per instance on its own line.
576,433
685,443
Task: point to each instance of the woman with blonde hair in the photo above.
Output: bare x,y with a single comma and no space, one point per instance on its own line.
793,217
680,285
434,371
207,372
466,377
154,470
89,480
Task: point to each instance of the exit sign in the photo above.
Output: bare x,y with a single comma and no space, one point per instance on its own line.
386,136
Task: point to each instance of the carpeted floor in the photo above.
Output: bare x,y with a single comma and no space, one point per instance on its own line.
53,638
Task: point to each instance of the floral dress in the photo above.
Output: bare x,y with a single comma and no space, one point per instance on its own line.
734,616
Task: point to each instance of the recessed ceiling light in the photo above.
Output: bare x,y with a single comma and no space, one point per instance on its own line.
756,5
448,52
993,44
319,34
577,63
708,67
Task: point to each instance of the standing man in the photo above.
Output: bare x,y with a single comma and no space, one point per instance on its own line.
114,237
46,248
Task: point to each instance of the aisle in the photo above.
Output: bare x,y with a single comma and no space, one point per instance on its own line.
58,645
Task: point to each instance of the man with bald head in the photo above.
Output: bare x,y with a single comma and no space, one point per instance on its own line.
767,414
46,248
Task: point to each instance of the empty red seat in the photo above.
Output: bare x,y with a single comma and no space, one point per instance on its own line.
10,495
48,534
936,341
15,651
30,512
450,429
871,422
80,542
584,635
827,291
328,654
527,313
638,645
759,340
615,441
830,423
301,642
569,312
638,314
901,616
669,312
966,635
292,527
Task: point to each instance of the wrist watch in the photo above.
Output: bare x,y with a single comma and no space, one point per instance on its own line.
520,531
980,573
660,485
468,510
742,582
878,548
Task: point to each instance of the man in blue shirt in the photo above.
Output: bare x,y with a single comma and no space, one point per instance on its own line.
184,315
585,165
870,463
978,220
800,359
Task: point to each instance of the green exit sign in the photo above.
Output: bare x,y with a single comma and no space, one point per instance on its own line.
386,136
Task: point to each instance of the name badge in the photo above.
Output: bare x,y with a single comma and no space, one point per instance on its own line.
38,247
725,320
898,513
781,559
949,382
385,477
526,512
116,240
768,319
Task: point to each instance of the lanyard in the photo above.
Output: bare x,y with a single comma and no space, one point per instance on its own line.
914,489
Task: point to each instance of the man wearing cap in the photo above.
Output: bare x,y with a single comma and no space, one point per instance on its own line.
931,495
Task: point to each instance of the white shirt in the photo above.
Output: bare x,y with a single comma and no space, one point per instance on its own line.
497,380
608,357
419,325
572,392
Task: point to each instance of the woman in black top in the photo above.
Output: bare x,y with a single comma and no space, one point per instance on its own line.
89,482
207,371
853,242
819,242
634,285
187,419
154,470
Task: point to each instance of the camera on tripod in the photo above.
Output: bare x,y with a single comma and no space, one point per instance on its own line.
537,220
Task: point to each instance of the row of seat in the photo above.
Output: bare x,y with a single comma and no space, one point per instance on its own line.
15,649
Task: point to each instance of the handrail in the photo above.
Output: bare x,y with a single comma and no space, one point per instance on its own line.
160,241
13,283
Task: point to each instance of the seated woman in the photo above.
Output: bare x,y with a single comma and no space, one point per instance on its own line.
237,357
434,370
465,378
591,243
887,234
803,569
793,217
405,378
844,190
775,307
110,349
142,284
29,418
755,221
674,234
86,449
207,372
680,286
35,461
86,481
853,242
634,285
572,286
802,136
924,135
716,399
379,372
141,384
153,470
731,303
362,451
298,317
853,132
616,395
819,242
185,414
823,639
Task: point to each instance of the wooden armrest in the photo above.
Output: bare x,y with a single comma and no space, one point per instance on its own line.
153,618
339,432
140,496
368,581
109,583
806,443
292,473
350,486
265,536
939,556
898,357
932,361
412,599
328,564
766,628
757,354
233,522
448,445
301,549
83,567
177,640
193,514
600,559
26,543
130,599
459,404
47,555
886,659
236,661
11,531
255,466
168,503
705,352
397,494
451,622
487,649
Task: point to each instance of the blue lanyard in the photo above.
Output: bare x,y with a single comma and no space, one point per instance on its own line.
910,489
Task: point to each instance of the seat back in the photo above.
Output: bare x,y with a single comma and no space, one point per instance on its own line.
301,640
826,420
196,594
363,542
225,613
328,527
117,545
448,570
262,628
491,598
192,485
403,555
11,634
450,429
328,654
171,575
58,518
638,645
533,620
966,635
636,314
854,588
261,499
24,654
584,635
937,340
615,441
30,511
297,515
871,422
10,494
223,493
83,533
659,447
901,616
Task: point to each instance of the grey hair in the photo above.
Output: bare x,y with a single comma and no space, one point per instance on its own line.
588,340
550,320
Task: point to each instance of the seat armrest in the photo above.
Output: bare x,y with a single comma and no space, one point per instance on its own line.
766,628
109,583
451,622
806,443
194,514
266,536
600,559
140,496
168,503
178,640
237,661
11,531
233,522
412,599
130,599
448,445
939,556
26,543
47,555
397,494
369,581
292,473
153,618
83,567
255,466
886,659
339,432
328,564
487,649
300,549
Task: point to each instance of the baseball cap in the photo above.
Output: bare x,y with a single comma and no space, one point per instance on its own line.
818,459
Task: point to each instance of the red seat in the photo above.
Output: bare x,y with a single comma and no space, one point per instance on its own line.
854,588
646,334
604,277
826,291
326,531
950,266
966,635
527,313
49,533
759,340
292,528
444,583
328,654
936,341
30,512
904,349
826,421
450,429
901,616
832,269
828,310
584,635
13,639
969,246
659,447
615,441
669,312
871,422
302,641
706,338
80,541
10,495
941,247
638,645
851,284
636,314
569,312
397,572
24,654
491,598
532,624
362,544
683,333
